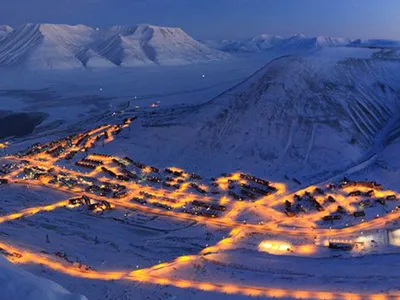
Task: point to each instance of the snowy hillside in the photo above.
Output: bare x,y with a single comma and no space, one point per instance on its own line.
302,43
375,43
172,46
123,51
256,44
44,46
282,116
4,30
165,233
16,284
296,43
92,59
276,122
50,46
146,44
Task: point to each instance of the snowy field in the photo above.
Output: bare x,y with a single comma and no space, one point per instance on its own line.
210,119
69,97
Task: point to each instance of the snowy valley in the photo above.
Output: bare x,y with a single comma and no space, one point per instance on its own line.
140,163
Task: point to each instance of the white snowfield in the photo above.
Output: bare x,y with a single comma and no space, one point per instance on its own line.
17,284
4,30
56,46
276,123
308,116
295,43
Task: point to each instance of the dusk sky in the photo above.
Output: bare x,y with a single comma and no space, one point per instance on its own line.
207,19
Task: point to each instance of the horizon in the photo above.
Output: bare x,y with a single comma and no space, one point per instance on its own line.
220,19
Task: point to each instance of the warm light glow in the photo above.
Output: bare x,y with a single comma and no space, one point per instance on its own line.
227,209
274,246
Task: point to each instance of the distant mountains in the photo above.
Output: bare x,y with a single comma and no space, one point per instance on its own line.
4,30
57,46
295,43
54,46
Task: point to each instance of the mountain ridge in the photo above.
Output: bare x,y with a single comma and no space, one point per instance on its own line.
62,46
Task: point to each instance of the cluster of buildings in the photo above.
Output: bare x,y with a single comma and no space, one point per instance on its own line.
240,191
301,204
91,205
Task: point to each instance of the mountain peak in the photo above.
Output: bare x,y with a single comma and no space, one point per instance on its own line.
299,35
62,46
6,28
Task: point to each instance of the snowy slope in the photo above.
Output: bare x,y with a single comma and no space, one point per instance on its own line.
4,30
265,41
256,44
377,43
392,53
170,46
105,33
307,116
124,51
45,46
300,43
295,43
91,59
324,41
283,116
147,45
51,46
16,284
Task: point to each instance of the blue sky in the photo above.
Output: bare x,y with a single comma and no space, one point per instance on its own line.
220,18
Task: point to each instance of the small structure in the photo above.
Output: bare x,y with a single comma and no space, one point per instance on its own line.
346,246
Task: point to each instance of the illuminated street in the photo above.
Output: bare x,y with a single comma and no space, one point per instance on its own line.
277,221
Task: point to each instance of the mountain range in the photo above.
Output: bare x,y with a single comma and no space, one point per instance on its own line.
307,116
297,42
54,46
58,46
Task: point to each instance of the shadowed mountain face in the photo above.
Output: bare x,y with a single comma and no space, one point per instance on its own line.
301,116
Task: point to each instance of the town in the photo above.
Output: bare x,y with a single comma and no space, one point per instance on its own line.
335,216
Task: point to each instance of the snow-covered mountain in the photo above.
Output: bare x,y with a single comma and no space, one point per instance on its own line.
124,51
302,43
255,44
295,43
277,122
50,46
147,45
45,46
380,43
92,59
17,284
4,30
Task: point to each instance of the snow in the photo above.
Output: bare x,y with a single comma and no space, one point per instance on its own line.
17,284
44,46
148,44
266,42
91,59
276,122
124,51
375,43
4,30
58,46
310,116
